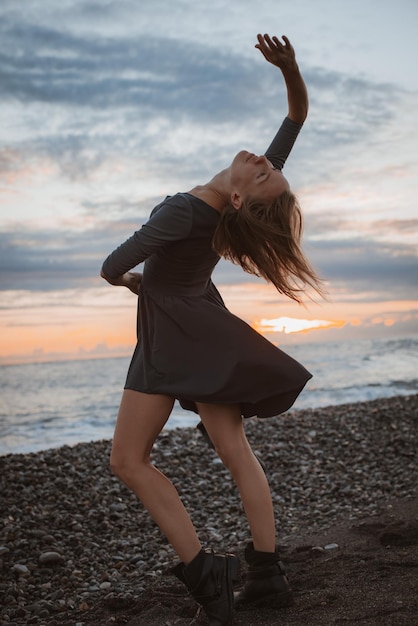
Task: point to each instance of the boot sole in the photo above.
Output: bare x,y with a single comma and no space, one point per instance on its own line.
272,601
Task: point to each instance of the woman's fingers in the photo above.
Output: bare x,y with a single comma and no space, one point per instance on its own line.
274,51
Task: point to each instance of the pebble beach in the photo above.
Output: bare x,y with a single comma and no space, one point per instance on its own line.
71,534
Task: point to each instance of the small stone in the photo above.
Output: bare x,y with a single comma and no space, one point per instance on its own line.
331,546
50,558
59,593
21,570
136,558
119,507
105,585
48,538
4,550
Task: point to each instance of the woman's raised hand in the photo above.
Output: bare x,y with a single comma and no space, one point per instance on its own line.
275,52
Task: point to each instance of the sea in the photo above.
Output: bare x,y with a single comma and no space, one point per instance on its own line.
48,405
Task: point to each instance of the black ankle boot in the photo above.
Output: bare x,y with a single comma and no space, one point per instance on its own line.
209,578
266,580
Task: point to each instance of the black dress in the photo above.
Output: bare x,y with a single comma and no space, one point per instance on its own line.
189,345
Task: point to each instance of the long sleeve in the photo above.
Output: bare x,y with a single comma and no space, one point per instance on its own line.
283,142
170,221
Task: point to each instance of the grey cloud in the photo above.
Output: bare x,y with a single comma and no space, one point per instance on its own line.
50,260
117,96
402,227
366,266
132,212
49,65
326,222
57,260
345,118
110,91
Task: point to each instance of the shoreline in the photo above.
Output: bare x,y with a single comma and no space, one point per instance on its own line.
72,535
77,401
193,419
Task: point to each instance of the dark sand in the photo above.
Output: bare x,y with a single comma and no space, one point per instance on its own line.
370,579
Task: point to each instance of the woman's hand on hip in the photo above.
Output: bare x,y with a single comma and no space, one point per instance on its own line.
132,280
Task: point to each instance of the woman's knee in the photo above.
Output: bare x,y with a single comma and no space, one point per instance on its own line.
125,467
233,453
117,464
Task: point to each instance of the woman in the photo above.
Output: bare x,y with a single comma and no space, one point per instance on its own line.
190,347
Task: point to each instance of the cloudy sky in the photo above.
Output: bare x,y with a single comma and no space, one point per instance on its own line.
107,107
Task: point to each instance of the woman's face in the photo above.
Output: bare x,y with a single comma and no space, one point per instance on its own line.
255,176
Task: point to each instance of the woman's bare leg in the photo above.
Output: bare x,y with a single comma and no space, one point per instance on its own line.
225,428
140,420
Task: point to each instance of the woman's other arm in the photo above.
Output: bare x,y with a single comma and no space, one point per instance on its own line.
170,221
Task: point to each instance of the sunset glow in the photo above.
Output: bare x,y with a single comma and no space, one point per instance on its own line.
100,321
290,325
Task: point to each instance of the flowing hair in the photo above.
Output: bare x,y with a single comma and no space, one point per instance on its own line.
264,239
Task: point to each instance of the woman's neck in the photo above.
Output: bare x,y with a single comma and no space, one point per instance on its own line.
215,192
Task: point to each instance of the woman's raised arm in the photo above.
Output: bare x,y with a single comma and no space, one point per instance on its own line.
283,56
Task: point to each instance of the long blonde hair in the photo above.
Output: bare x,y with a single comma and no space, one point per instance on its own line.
264,239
